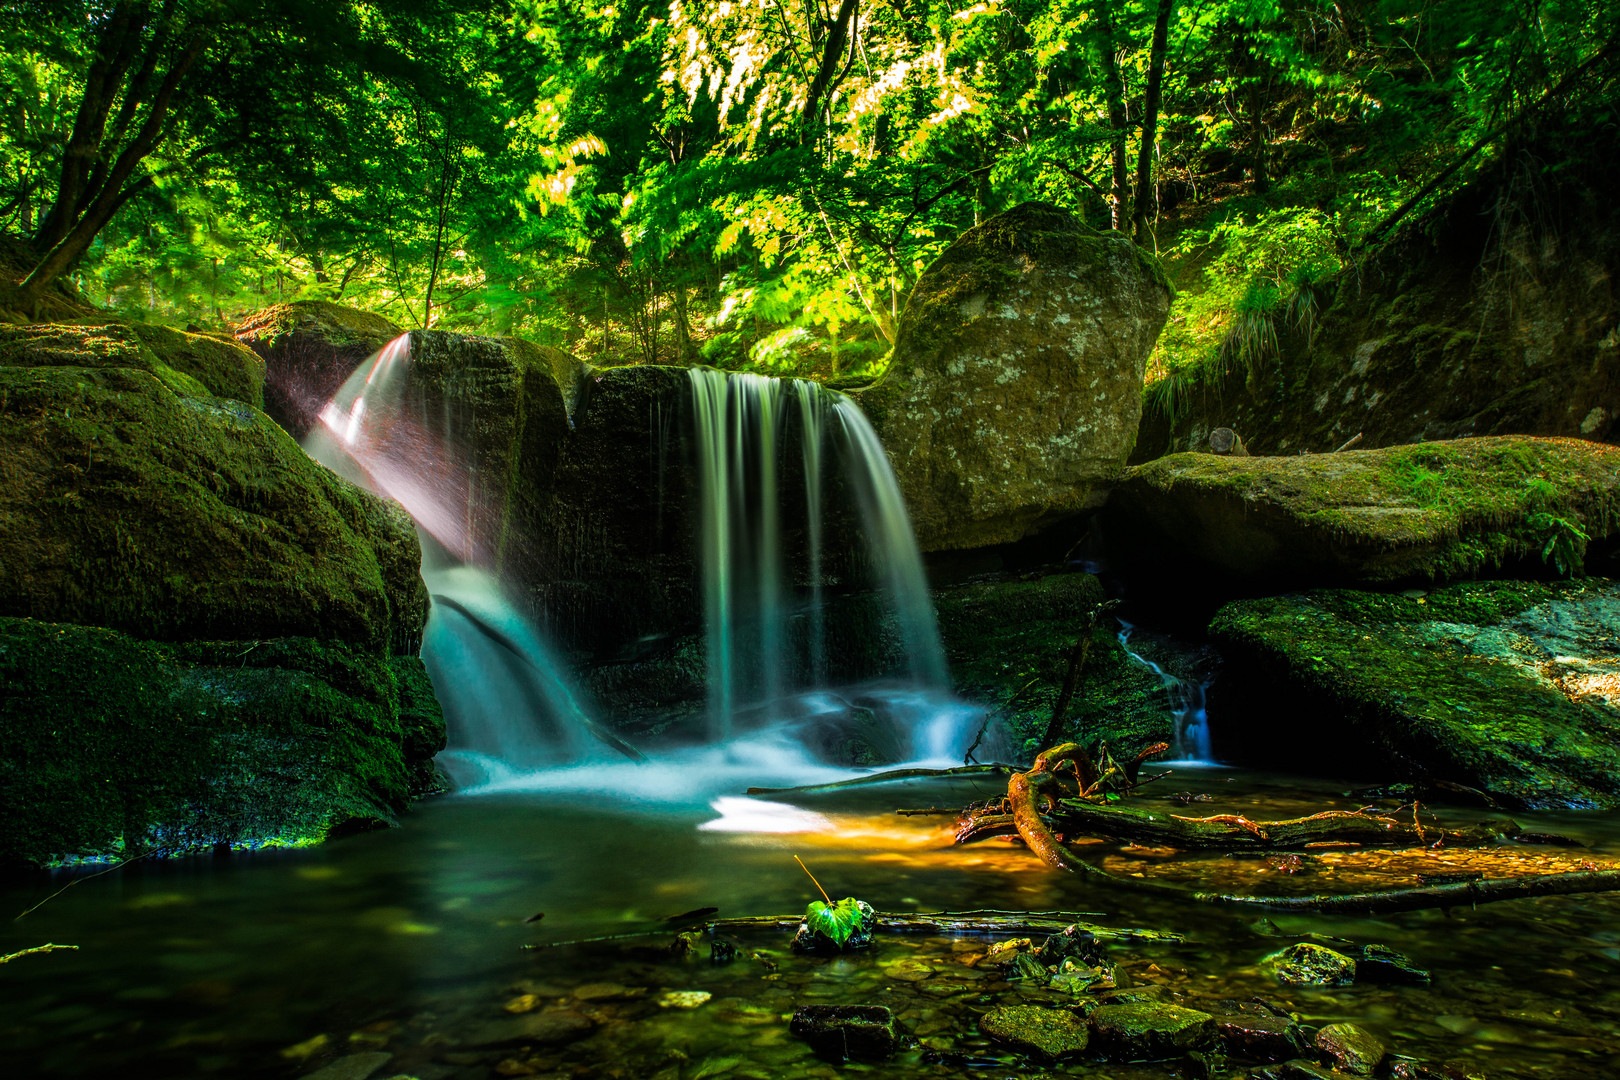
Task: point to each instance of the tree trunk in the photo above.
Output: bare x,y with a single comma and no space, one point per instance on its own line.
1114,93
1150,119
824,83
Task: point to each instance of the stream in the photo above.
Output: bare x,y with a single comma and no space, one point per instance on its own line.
408,944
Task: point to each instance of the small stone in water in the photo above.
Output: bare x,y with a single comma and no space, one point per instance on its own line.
522,1004
1043,1033
1071,943
683,999
1025,966
1381,964
1003,952
1350,1049
722,952
1150,1030
305,1050
840,1032
1306,964
1260,1038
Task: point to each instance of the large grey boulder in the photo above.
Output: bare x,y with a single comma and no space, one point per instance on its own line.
1015,389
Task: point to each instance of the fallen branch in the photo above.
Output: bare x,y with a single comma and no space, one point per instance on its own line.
1023,789
1233,832
888,777
47,947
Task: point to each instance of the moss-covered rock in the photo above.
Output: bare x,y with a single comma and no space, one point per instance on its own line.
1010,638
129,506
1045,1034
1425,512
310,347
112,746
1509,687
1015,387
1150,1030
194,364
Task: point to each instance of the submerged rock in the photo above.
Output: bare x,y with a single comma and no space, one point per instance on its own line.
1349,1048
1306,964
1259,1037
309,348
841,1032
538,1029
1506,687
115,747
1418,513
1015,387
1150,1030
1043,1033
1381,964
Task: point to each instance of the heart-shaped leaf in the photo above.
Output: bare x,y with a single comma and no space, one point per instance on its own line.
838,921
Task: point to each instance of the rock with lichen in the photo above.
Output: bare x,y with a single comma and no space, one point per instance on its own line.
1509,506
1045,1034
1015,386
1505,687
199,365
1308,964
1150,1030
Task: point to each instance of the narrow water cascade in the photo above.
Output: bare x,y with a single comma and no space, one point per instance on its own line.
510,705
767,638
1191,744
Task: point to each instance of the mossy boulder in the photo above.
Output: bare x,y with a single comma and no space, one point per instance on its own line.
1149,1030
310,347
130,506
1000,637
1015,387
111,746
1512,688
1309,964
1043,1033
195,364
1419,513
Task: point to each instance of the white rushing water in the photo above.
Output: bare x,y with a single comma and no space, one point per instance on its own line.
517,719
1191,743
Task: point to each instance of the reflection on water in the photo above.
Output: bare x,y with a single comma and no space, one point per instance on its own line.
409,942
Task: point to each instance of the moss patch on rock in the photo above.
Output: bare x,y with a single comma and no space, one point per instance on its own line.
1010,636
126,505
197,365
1509,687
1424,512
112,746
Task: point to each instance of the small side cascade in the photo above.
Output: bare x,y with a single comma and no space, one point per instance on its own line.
1191,743
509,705
767,642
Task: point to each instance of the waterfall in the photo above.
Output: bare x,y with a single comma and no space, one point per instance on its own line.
1191,741
758,664
509,704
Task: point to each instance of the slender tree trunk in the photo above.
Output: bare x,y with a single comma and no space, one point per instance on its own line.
824,82
1257,117
1118,119
442,219
113,193
1150,119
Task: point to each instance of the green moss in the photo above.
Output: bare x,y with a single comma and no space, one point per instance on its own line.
172,517
1435,511
335,324
193,365
227,369
111,746
1478,684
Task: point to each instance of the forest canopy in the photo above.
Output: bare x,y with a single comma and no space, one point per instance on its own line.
742,183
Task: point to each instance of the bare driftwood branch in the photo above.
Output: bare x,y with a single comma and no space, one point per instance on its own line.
47,947
888,777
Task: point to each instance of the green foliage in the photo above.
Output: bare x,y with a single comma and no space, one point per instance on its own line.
839,922
674,183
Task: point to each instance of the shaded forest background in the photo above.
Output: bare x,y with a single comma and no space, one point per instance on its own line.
751,183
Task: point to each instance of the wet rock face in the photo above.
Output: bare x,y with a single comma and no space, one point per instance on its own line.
116,746
309,348
1016,383
1420,513
1150,1030
1505,687
1043,1033
1306,964
1437,337
1262,1038
133,507
838,1033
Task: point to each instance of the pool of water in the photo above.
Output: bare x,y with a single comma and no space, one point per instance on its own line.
410,945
